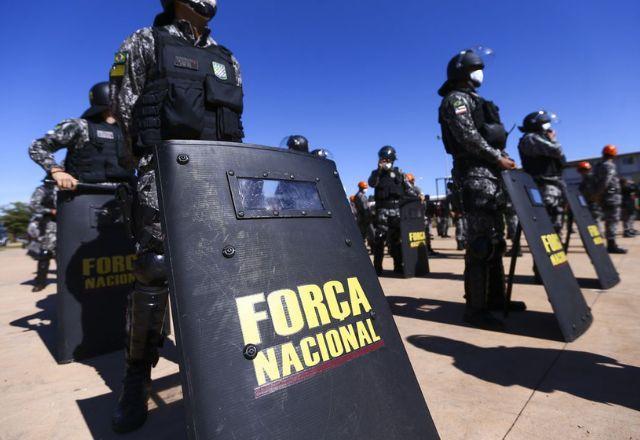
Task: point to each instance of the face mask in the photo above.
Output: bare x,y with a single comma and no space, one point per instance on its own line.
546,126
387,165
476,77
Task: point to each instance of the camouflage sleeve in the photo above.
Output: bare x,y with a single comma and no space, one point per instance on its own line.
608,174
457,111
71,133
128,76
36,200
236,67
538,145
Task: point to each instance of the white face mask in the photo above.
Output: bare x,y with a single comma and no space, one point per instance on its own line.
477,76
546,126
387,165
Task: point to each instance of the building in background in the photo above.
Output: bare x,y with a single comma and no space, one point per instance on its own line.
628,166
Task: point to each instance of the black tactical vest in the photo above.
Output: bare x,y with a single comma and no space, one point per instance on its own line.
486,118
193,94
389,188
98,160
539,166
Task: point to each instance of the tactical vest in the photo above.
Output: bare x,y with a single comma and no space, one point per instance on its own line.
389,188
98,160
539,166
486,118
192,94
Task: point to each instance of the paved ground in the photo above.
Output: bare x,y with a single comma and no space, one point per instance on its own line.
522,384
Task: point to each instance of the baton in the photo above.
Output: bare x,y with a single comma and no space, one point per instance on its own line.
512,268
107,187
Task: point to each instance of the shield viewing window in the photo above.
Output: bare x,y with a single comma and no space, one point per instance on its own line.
255,197
535,196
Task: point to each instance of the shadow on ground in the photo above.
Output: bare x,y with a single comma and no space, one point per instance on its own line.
530,323
586,375
585,283
166,421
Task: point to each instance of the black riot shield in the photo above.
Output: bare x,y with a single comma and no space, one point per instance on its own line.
95,258
569,306
283,329
415,261
592,239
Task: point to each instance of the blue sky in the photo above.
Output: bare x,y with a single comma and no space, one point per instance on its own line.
351,75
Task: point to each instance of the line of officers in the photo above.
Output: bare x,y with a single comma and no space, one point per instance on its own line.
474,135
172,80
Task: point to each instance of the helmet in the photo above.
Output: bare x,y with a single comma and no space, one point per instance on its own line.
584,166
461,65
352,199
534,122
363,185
206,8
296,142
410,177
322,153
388,152
610,150
99,100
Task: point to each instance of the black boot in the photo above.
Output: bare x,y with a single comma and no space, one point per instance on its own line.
131,411
498,290
460,246
476,287
147,308
612,247
40,281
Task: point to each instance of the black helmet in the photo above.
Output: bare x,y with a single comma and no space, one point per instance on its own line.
388,152
297,142
206,8
322,153
533,122
99,100
463,64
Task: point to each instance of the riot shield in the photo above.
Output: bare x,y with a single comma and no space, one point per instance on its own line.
569,306
283,328
415,261
592,240
95,259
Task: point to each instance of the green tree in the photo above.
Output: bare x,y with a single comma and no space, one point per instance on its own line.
15,218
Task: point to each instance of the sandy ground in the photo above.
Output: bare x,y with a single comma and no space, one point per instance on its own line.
525,383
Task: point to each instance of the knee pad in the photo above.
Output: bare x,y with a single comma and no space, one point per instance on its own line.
150,269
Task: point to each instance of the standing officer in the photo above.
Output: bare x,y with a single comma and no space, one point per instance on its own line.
588,190
608,193
473,134
42,231
364,214
454,202
543,159
390,187
169,81
629,192
94,146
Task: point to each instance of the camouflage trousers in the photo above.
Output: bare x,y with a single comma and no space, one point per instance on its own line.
554,202
43,238
611,214
461,229
148,230
485,203
387,226
443,226
628,218
512,220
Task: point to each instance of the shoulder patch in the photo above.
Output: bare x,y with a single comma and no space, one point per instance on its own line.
460,109
119,63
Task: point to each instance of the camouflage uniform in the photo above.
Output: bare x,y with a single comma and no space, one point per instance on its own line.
588,190
364,217
124,94
455,206
629,190
476,172
608,191
72,134
537,145
387,217
42,231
